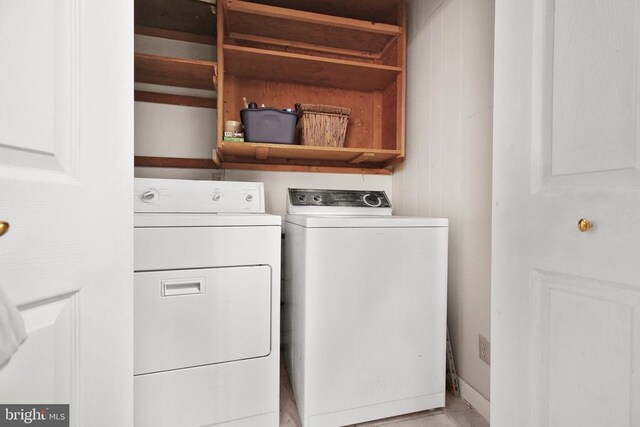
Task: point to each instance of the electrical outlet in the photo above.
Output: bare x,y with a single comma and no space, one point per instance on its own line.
217,175
484,349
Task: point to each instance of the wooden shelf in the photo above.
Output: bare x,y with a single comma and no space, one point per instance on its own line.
334,52
172,99
168,71
288,67
173,162
187,16
285,155
385,11
307,30
174,35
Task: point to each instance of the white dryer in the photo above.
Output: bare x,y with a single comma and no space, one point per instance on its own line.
365,295
206,305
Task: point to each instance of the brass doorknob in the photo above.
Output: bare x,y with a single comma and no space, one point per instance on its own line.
4,227
584,225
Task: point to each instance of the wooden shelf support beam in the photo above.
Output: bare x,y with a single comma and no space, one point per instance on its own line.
168,98
217,158
174,35
364,157
262,153
173,162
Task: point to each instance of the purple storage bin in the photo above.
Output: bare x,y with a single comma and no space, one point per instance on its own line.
269,125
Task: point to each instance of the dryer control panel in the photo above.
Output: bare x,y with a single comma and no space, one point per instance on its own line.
338,202
180,196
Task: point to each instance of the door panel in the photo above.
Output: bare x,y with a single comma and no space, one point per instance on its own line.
566,146
40,79
66,175
585,92
45,367
594,76
584,336
198,317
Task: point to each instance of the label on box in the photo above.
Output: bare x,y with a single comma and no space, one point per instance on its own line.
229,134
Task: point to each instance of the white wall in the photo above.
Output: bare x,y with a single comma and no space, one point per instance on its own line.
449,151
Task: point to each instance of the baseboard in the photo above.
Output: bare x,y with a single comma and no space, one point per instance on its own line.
475,399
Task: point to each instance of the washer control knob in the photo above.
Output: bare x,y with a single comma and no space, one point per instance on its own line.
249,198
150,196
302,198
317,198
371,200
216,197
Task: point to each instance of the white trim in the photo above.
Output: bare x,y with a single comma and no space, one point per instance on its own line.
475,399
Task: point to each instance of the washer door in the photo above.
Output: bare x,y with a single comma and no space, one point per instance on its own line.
198,317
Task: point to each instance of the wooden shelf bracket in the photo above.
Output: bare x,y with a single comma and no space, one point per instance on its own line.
262,153
364,157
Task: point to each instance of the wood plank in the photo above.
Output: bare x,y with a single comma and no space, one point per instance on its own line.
173,162
310,169
295,68
186,16
303,46
262,153
361,158
174,35
167,98
302,152
390,124
170,71
217,160
384,11
377,120
220,75
308,27
393,162
401,82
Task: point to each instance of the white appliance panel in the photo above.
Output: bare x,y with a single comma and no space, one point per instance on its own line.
303,201
190,318
207,305
365,321
236,394
350,221
203,220
174,195
202,247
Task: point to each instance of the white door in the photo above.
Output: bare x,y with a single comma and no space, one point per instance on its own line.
66,185
566,303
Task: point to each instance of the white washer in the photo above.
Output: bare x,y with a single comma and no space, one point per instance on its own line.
206,305
365,294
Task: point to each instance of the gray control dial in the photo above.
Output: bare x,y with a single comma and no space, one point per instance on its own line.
150,196
371,200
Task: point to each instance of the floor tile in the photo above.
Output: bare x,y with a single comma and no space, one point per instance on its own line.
402,418
457,413
468,418
455,403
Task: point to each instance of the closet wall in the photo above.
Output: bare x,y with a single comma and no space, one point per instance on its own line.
448,168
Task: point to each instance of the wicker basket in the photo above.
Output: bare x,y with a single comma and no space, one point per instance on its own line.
322,125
